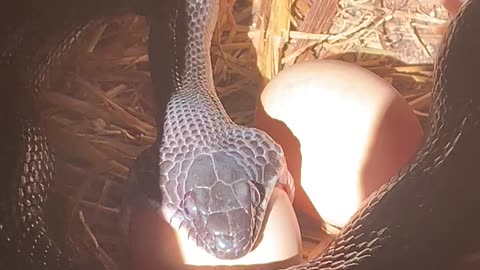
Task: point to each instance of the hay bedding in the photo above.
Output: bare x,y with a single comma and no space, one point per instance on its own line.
103,116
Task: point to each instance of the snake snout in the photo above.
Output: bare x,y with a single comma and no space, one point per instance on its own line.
223,243
228,235
227,247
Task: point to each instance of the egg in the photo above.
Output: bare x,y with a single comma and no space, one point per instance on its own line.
452,5
155,245
345,132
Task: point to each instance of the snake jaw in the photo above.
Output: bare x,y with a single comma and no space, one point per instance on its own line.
287,182
226,246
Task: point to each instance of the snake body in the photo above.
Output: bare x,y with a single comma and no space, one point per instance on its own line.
212,178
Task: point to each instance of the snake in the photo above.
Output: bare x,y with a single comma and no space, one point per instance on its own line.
211,178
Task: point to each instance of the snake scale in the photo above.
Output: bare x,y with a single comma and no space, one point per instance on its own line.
212,178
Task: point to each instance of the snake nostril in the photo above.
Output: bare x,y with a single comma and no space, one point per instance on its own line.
223,242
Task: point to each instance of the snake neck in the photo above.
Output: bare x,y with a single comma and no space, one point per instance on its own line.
180,41
455,100
183,50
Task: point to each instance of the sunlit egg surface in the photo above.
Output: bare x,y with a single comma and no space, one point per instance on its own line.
355,131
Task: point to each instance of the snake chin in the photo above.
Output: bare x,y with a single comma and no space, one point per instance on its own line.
226,236
226,247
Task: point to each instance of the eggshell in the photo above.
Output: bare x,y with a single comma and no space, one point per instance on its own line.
353,129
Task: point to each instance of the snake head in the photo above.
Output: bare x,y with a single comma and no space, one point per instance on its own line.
226,232
227,193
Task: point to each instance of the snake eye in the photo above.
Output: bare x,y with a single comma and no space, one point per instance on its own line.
189,206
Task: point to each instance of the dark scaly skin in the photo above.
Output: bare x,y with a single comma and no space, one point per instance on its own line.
425,218
216,177
236,165
38,40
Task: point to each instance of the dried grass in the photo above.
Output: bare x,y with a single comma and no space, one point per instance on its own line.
103,117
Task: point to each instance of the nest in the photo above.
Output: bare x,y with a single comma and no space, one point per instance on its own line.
103,117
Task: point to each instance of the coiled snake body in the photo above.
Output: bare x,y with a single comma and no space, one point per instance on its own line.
212,178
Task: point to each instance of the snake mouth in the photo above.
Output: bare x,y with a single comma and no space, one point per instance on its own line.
227,247
227,242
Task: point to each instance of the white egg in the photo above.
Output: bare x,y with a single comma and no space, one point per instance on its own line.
354,128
